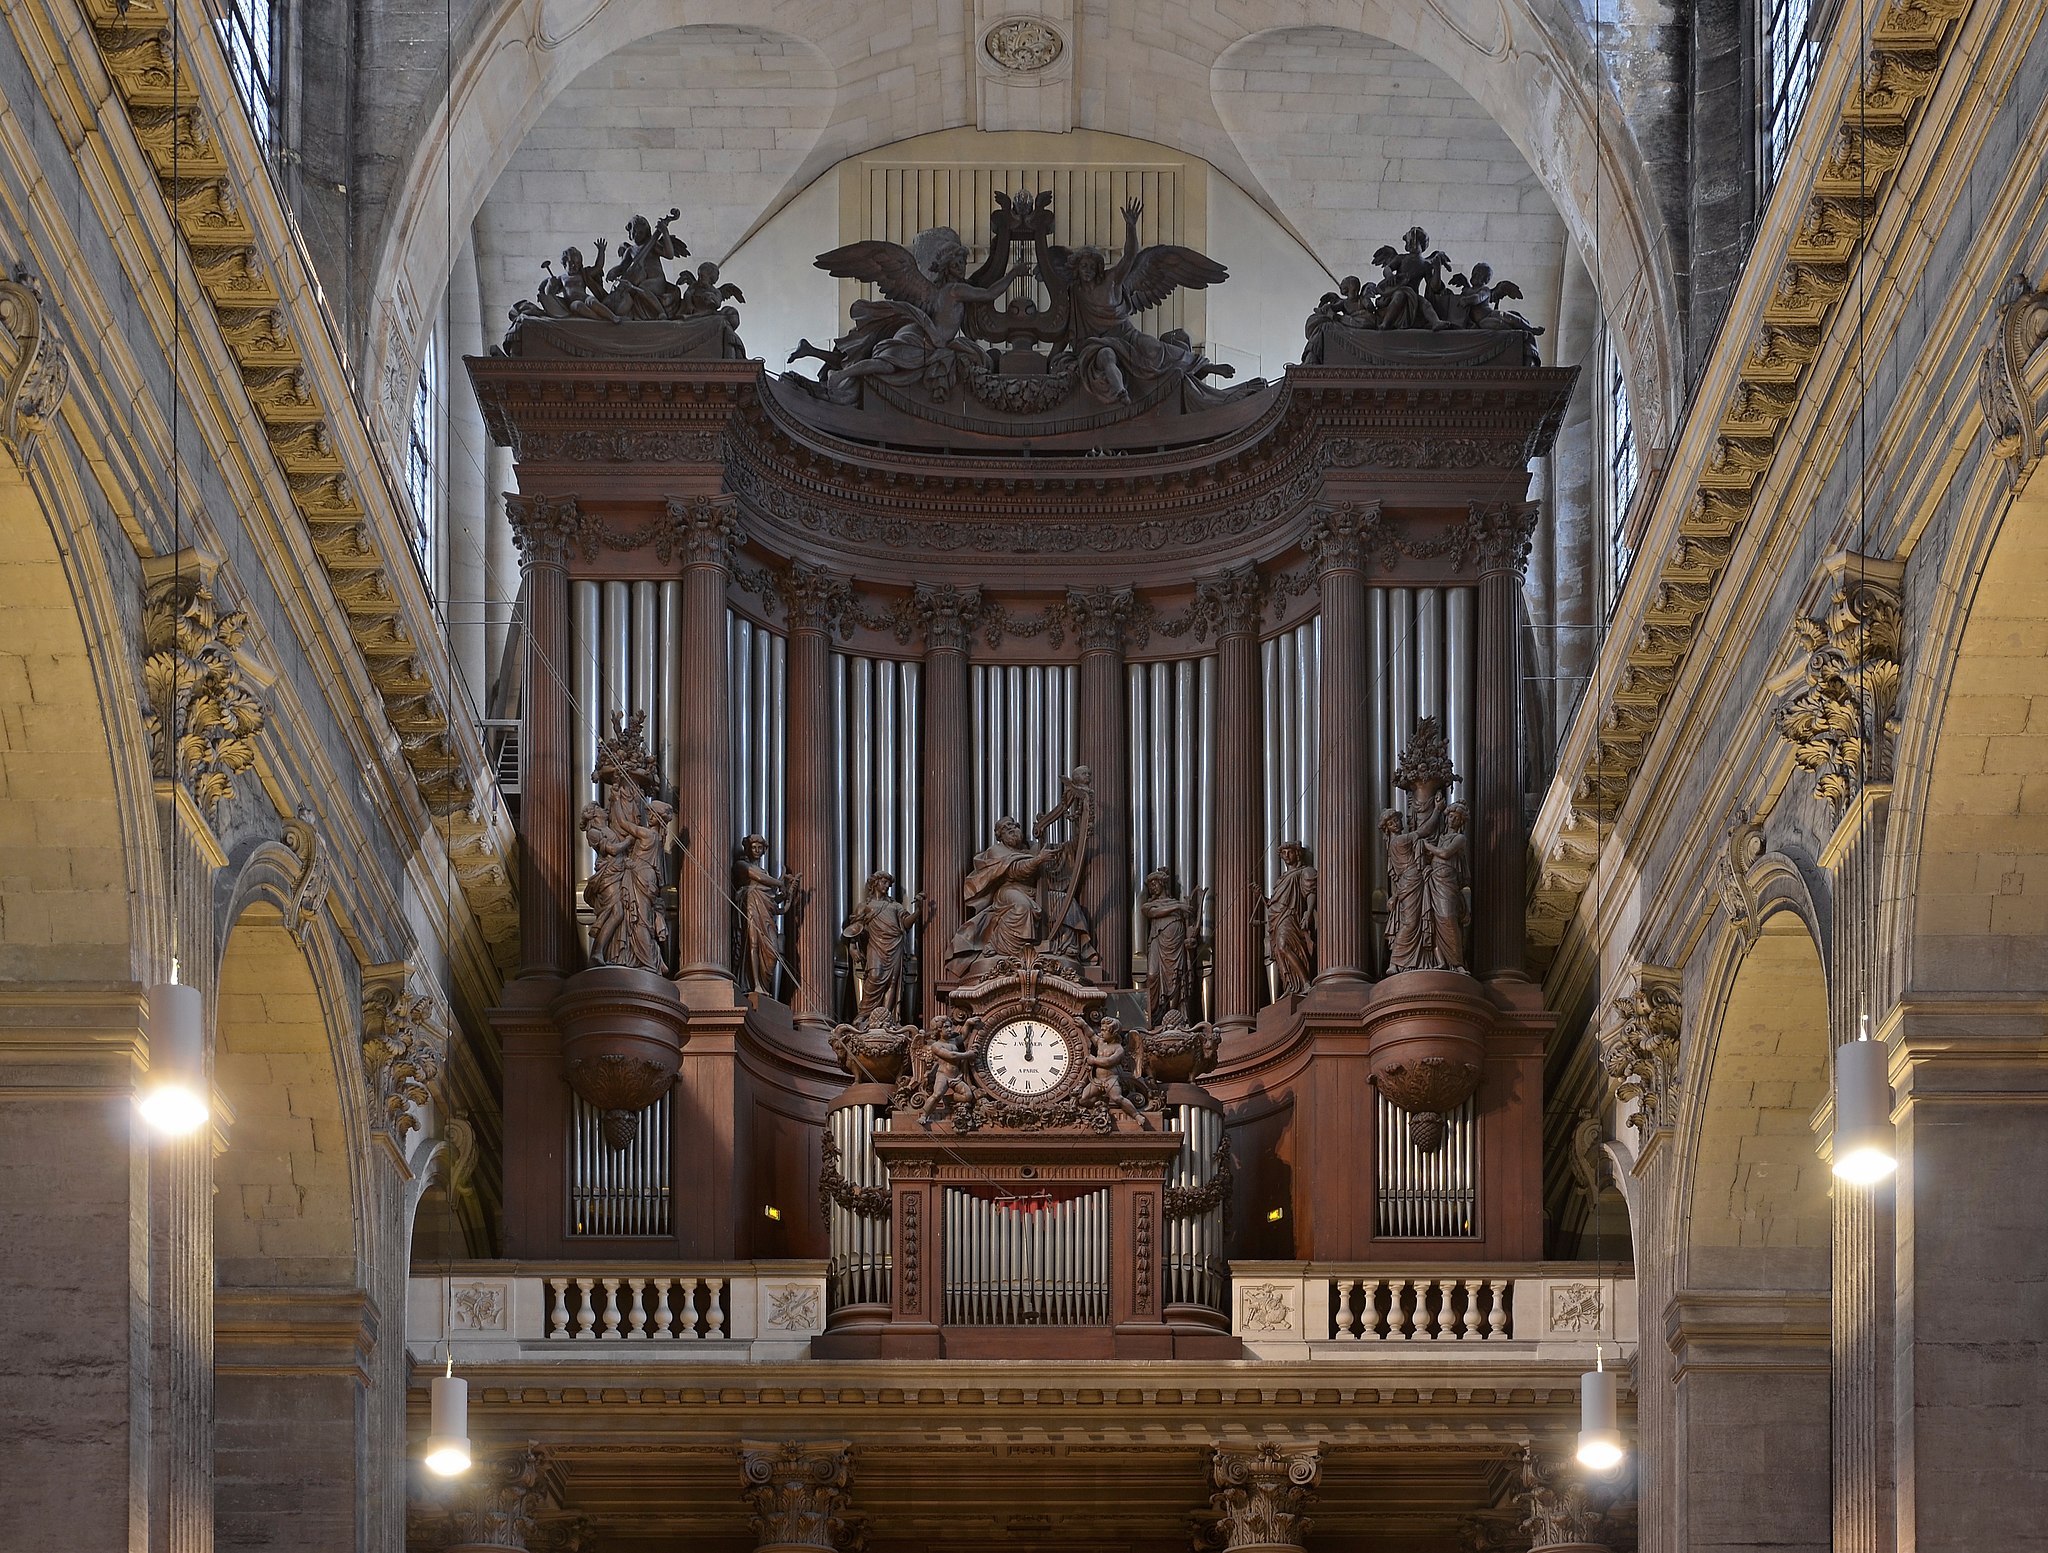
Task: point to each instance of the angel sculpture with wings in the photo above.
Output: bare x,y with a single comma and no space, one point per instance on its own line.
1113,353
915,335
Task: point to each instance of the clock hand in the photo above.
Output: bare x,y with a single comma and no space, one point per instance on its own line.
1027,1043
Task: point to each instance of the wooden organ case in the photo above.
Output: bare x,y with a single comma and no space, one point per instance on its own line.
1013,674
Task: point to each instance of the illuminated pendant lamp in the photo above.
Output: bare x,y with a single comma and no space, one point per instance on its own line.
1863,1111
448,1423
173,1099
1600,1447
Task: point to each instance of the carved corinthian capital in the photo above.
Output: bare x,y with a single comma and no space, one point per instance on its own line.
1559,1515
948,614
1261,1493
813,598
1230,601
1104,617
1497,538
1640,1051
33,371
1343,538
705,529
1843,722
203,716
2012,384
499,1503
798,1491
404,1038
544,528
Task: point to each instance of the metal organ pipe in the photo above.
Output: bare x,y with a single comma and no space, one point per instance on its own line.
1172,778
876,710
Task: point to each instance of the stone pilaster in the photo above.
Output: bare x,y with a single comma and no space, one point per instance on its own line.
815,603
948,616
798,1492
706,536
1102,618
1232,600
1261,1494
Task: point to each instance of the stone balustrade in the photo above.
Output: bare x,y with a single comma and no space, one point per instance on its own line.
1292,1310
738,1311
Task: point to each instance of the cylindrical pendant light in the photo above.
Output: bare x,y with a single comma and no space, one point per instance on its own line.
448,1423
173,1099
1600,1445
1863,1112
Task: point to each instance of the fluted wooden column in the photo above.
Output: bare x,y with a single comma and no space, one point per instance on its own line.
1498,887
1343,828
542,529
1233,600
705,533
814,601
1104,747
949,615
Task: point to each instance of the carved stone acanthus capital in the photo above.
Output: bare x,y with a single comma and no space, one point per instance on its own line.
797,1491
1344,538
947,614
2015,415
706,529
545,528
814,599
33,371
1640,1050
1843,722
1261,1492
1559,1514
1497,538
1104,616
405,1036
1230,602
203,714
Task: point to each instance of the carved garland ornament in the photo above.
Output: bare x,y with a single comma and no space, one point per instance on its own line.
869,1202
203,717
1640,1054
1843,724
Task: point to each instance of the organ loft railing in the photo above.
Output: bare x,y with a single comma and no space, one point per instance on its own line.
1016,818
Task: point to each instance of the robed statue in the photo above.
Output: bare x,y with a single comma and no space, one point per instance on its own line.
1022,896
1289,914
629,835
879,929
1428,861
762,895
1171,924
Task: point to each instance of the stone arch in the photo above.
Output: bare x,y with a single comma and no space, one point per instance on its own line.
1530,68
1969,838
1749,1320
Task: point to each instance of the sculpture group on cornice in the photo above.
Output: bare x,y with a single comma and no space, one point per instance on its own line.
635,289
1412,294
937,328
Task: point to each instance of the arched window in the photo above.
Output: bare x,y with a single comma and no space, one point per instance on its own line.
1623,470
422,457
253,35
1784,80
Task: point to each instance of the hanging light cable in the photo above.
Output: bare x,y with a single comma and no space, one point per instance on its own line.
174,1100
447,1451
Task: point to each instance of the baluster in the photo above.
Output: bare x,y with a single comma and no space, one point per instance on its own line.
1502,1290
636,1318
1400,1320
686,1323
558,1318
1347,1318
611,1308
714,1315
1430,1323
1463,1324
1369,1298
663,1318
1481,1318
586,1312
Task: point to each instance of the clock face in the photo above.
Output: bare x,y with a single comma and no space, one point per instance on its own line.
1026,1058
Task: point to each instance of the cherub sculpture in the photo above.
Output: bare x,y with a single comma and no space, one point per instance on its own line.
703,293
643,289
915,335
1107,1076
941,1071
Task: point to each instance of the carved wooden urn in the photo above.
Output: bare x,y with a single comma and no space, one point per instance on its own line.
1425,1037
622,1042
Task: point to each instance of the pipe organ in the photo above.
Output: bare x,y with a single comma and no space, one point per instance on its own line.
1014,1094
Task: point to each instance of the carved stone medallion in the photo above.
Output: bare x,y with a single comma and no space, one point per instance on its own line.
1023,44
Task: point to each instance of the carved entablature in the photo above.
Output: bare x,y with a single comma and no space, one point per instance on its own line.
203,714
1842,722
1640,1051
2013,378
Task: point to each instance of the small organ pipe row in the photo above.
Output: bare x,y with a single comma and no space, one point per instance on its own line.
1420,653
1023,715
1026,1261
757,661
858,1271
876,714
1433,1195
1194,1244
619,1192
1172,710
